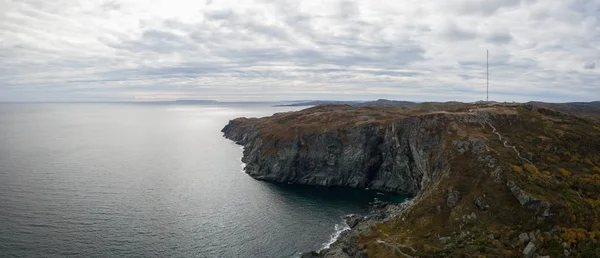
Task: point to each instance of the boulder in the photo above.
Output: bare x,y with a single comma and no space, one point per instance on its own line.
453,198
529,250
531,236
353,220
445,240
461,146
524,238
480,205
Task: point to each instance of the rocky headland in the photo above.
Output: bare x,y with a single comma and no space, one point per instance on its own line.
481,175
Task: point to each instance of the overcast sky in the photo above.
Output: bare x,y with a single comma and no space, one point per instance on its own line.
125,50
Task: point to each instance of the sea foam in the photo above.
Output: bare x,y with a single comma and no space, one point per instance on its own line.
339,228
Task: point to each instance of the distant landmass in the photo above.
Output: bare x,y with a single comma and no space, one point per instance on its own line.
379,102
196,101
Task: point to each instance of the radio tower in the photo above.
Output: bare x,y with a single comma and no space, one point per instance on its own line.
487,69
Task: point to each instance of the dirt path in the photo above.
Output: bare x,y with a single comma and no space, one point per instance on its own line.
394,247
506,143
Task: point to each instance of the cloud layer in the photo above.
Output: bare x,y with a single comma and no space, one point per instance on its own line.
288,49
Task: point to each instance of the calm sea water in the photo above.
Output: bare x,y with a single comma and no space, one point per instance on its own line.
149,180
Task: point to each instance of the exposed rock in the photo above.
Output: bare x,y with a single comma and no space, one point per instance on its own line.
461,146
480,205
445,240
496,175
453,198
529,250
353,220
478,146
532,236
312,254
524,238
346,246
491,236
528,201
404,156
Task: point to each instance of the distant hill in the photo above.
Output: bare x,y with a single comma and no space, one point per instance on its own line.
196,101
318,102
589,110
387,102
379,102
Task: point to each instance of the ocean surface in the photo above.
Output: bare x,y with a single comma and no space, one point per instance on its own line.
150,180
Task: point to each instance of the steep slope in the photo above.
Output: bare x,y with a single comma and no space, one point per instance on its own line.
481,174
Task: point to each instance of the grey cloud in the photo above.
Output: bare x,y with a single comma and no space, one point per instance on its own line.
156,41
239,51
111,6
218,14
590,66
349,9
452,32
482,7
499,37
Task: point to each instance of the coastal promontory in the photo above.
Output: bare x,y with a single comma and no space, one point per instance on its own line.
487,179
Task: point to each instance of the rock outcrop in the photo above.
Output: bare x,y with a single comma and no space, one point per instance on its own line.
529,201
401,156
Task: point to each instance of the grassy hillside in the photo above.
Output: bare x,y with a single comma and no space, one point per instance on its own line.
559,163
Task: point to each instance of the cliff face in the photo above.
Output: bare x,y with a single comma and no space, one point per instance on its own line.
400,156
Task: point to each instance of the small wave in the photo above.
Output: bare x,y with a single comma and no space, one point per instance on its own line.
339,228
243,165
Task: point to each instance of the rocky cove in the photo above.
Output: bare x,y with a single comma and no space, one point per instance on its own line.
446,158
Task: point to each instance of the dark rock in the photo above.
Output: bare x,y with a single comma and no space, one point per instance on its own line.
478,146
480,205
404,156
312,254
453,198
461,146
353,220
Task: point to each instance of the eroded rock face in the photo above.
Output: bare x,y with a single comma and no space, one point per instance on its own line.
529,201
403,157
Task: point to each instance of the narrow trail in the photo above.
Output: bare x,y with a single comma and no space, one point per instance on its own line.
394,247
504,142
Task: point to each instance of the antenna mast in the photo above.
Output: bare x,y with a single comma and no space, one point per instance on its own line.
487,68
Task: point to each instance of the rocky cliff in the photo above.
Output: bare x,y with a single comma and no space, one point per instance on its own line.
474,170
402,155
